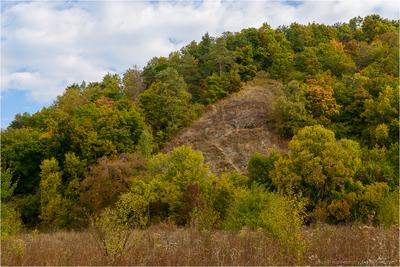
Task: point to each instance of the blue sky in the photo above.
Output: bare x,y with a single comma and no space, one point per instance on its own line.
47,45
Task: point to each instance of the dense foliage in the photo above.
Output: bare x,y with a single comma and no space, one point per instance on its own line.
94,151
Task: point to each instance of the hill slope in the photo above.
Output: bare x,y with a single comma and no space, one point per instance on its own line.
235,128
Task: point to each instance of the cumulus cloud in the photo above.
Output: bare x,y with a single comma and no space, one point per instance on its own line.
47,45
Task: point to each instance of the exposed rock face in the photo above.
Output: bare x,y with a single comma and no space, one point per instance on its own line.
235,128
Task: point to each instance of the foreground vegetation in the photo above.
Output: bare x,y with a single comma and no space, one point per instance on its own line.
166,244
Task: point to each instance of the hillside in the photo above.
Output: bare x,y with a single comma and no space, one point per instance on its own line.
235,128
325,97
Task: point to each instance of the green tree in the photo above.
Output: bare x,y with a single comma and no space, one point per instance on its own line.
174,184
74,167
153,67
245,60
213,89
22,152
105,128
307,61
381,114
333,57
374,25
259,168
279,55
289,111
166,105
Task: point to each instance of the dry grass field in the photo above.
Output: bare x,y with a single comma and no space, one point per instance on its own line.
166,244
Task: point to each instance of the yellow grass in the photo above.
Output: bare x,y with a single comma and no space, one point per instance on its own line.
166,244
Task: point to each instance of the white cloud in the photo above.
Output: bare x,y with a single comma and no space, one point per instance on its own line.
48,45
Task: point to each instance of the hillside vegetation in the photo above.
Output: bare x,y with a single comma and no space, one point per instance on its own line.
264,129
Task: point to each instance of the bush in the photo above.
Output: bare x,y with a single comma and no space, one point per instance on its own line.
283,217
279,215
10,221
29,208
110,233
246,208
388,210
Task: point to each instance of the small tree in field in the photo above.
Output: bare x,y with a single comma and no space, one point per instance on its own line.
51,200
113,227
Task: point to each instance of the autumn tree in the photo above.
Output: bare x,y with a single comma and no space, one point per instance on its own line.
318,165
52,210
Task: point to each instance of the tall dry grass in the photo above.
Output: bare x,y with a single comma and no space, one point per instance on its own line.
166,244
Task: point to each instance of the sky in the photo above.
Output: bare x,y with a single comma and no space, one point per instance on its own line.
48,45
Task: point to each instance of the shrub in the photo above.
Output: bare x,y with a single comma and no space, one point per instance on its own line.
339,210
283,217
246,208
110,232
10,221
388,210
10,218
132,209
279,215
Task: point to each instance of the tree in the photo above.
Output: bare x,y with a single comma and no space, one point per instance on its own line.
374,25
166,105
245,61
259,168
289,110
174,185
74,167
10,219
111,86
307,61
318,166
22,152
133,83
51,202
105,128
377,167
108,179
279,56
381,115
188,67
153,67
320,96
333,57
213,89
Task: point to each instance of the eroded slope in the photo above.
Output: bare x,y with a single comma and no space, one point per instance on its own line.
235,128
